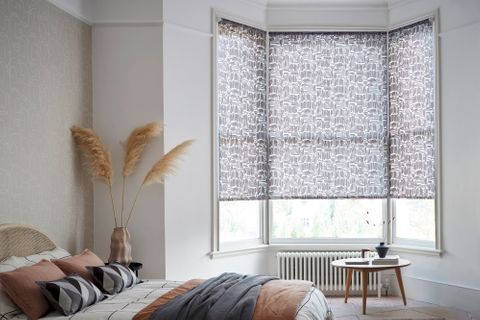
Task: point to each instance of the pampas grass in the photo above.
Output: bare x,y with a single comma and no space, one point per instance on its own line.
134,146
163,167
166,165
136,143
100,161
99,158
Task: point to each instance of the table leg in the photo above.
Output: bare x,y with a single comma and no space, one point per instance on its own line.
364,291
400,284
348,283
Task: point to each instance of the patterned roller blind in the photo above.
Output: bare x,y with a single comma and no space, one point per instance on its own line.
347,115
412,111
327,117
242,124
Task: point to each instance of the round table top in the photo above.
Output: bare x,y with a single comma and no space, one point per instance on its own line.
341,264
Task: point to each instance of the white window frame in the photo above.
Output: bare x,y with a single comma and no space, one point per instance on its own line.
266,214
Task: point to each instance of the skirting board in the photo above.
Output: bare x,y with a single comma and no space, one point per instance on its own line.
443,294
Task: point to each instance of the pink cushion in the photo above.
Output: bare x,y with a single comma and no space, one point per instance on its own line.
21,286
77,264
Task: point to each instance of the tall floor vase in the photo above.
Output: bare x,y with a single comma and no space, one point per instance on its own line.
120,247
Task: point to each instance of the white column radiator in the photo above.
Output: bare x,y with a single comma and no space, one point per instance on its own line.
316,266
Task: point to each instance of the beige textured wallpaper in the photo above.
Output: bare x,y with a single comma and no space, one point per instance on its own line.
45,87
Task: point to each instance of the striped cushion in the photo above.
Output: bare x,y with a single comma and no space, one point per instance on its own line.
113,278
71,294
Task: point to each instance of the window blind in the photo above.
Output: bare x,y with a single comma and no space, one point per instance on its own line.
327,116
412,111
347,115
242,123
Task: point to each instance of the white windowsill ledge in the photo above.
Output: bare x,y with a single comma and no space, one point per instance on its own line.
325,247
237,252
416,250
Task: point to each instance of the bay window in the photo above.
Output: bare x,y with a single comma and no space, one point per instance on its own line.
325,136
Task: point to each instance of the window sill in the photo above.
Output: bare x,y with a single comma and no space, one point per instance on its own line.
322,246
237,252
415,250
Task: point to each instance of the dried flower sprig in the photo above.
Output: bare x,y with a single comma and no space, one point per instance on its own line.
163,167
99,158
384,221
134,147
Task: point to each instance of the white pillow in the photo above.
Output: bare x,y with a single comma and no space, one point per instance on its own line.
14,262
8,309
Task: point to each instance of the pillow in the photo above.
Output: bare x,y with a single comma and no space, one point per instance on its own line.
8,309
77,264
14,262
25,293
113,278
71,294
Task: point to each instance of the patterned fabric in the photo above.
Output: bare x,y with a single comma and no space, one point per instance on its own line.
8,309
327,115
113,278
328,129
241,76
71,294
412,112
14,262
125,305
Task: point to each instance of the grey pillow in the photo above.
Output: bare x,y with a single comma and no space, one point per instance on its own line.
113,278
71,294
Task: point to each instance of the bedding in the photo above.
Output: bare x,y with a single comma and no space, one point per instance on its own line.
229,296
125,305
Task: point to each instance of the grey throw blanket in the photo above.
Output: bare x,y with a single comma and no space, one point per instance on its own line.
230,296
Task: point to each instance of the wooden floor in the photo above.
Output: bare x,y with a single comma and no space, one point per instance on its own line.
393,308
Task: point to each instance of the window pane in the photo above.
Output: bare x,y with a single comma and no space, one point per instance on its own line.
239,220
415,219
327,218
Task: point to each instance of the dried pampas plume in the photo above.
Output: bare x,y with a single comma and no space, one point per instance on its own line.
166,165
136,143
99,158
163,167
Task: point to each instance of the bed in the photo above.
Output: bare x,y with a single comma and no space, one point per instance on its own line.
23,241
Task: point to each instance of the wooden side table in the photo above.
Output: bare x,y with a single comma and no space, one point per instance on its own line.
365,270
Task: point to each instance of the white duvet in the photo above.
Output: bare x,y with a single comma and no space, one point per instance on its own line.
126,304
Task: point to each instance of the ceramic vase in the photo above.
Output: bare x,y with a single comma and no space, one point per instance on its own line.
382,250
120,247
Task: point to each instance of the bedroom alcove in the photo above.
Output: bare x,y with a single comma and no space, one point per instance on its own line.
152,60
186,33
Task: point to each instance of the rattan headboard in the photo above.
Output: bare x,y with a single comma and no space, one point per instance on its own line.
22,240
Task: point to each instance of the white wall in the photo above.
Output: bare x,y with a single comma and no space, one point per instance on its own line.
454,278
304,16
188,115
127,81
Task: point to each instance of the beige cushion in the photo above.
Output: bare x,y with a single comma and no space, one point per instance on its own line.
77,264
21,287
8,309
